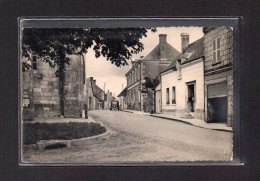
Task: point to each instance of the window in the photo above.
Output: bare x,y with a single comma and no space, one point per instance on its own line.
34,63
216,50
179,68
173,95
167,96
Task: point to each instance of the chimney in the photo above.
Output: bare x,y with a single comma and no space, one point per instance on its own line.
162,38
94,82
184,41
162,45
91,79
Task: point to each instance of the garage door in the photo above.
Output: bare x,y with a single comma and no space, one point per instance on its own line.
217,90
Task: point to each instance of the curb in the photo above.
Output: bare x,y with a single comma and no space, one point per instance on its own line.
128,111
178,120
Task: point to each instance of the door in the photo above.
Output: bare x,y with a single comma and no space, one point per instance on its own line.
191,97
217,103
217,110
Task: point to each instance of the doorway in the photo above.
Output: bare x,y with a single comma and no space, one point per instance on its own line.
191,96
217,110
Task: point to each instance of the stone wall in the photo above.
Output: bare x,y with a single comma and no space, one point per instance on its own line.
41,88
45,91
74,87
222,70
27,95
226,47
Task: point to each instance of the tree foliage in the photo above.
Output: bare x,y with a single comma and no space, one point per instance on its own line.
151,83
53,44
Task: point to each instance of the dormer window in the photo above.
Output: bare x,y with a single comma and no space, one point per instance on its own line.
216,51
178,68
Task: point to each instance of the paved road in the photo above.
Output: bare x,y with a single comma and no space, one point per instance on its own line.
136,137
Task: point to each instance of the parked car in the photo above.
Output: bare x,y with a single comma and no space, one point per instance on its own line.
114,105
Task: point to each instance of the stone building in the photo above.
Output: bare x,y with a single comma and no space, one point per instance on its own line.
95,95
182,83
41,90
108,98
122,99
138,96
218,42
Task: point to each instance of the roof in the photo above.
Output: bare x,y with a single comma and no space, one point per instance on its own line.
123,93
154,55
194,51
97,92
171,53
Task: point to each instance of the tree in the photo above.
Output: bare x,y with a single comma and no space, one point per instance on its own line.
151,83
53,44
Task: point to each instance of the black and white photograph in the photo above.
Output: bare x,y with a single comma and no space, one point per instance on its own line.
98,95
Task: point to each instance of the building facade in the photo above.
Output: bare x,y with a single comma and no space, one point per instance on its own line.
158,98
182,83
41,90
218,43
139,97
95,95
108,98
122,99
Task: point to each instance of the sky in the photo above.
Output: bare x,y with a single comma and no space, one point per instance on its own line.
114,77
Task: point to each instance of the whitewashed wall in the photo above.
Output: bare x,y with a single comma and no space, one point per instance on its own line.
190,72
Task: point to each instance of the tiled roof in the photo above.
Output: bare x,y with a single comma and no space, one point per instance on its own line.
154,55
123,93
192,52
97,91
171,53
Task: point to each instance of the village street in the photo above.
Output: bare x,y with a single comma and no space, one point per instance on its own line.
135,137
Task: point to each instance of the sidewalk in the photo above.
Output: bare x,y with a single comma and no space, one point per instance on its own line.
194,122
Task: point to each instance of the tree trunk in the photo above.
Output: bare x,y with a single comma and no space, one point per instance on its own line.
62,83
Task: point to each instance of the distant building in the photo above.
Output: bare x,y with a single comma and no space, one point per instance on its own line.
95,95
182,83
41,96
139,97
122,99
218,42
108,99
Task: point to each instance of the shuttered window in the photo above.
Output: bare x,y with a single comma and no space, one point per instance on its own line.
216,50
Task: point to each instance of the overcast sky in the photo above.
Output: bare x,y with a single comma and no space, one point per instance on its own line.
113,77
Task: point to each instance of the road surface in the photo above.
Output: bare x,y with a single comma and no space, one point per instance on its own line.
140,138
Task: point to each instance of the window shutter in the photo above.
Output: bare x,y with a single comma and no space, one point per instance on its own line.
214,57
218,43
218,55
214,45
